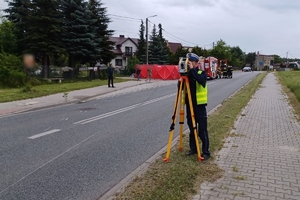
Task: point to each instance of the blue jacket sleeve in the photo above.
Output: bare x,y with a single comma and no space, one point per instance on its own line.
200,78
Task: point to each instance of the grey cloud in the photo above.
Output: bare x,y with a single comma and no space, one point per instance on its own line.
277,5
189,3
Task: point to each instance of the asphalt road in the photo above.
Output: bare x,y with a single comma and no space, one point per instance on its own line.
80,151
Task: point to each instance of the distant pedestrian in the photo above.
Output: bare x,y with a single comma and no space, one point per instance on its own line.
149,71
138,72
110,73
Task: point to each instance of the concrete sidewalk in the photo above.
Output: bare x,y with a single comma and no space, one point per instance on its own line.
262,161
79,95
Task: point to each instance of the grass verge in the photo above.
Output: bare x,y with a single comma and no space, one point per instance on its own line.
13,94
290,81
181,176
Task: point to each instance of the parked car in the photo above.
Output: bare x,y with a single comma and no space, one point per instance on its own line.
247,69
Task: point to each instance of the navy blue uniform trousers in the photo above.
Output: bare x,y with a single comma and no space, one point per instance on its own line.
201,123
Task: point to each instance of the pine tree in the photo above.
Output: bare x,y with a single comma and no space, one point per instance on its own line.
80,37
164,50
99,14
18,13
141,49
44,33
154,48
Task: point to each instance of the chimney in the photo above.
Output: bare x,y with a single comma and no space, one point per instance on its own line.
121,36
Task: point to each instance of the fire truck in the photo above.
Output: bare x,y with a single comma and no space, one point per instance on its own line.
210,65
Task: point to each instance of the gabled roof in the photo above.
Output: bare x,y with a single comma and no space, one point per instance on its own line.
121,40
117,40
174,46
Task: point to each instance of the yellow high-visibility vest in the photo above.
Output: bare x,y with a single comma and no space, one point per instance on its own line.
201,92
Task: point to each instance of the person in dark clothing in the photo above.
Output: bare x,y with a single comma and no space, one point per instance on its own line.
138,72
198,88
110,74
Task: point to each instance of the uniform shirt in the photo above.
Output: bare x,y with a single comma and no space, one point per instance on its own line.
193,78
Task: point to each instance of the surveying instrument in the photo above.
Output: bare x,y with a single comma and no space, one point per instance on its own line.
183,90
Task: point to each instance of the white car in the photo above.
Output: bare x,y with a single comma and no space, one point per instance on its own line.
247,69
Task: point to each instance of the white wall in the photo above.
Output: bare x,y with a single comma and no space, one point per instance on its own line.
128,43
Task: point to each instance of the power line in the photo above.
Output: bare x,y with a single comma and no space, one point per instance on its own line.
125,17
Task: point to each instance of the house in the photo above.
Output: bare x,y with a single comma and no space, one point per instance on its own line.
263,60
173,46
124,48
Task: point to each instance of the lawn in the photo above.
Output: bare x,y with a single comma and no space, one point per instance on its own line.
13,94
291,85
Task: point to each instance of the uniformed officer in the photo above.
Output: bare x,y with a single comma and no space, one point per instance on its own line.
199,93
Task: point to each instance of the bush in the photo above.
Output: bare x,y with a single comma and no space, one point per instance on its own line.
11,73
11,78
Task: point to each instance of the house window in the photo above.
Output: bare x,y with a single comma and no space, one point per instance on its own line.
118,62
128,49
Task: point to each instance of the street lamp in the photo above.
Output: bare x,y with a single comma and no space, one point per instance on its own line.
147,37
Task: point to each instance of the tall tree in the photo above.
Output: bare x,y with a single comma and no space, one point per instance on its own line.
200,52
44,34
18,13
141,48
99,14
180,52
221,51
8,40
238,57
154,48
250,58
79,38
164,50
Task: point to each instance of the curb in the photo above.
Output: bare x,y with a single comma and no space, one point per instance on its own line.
81,100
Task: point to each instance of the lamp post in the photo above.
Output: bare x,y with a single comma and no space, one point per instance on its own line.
147,37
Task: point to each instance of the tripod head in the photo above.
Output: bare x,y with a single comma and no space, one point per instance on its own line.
183,66
184,63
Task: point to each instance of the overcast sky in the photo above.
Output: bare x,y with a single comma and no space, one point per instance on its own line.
267,26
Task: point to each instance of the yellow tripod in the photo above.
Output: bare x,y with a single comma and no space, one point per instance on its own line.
180,100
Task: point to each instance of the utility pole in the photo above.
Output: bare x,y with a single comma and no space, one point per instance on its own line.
147,37
286,62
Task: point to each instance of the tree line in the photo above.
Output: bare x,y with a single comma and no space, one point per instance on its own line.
159,53
61,32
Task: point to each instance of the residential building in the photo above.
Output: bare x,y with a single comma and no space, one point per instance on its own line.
263,60
124,48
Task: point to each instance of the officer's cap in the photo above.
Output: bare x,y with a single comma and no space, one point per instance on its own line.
193,57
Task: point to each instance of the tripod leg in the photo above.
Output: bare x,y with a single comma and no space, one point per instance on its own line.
193,119
173,121
181,122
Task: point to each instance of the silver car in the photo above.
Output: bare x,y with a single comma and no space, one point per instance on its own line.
247,69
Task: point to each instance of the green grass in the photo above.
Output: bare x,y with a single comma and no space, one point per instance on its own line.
291,86
181,177
291,79
13,94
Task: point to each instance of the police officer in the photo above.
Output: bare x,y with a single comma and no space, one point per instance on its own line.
198,89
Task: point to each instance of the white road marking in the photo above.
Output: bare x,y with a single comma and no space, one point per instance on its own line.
88,120
44,133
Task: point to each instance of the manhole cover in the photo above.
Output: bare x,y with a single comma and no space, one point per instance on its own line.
86,109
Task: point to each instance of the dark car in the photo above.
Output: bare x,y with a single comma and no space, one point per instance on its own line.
247,69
